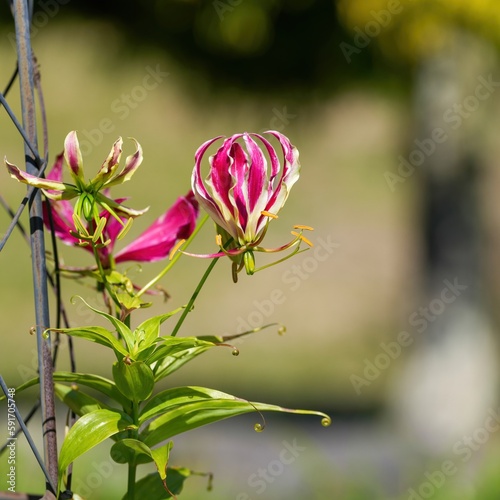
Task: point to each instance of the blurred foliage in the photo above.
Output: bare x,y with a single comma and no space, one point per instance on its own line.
407,30
261,46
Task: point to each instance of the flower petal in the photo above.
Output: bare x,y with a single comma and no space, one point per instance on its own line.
73,157
158,239
289,175
32,180
62,212
132,163
108,168
202,195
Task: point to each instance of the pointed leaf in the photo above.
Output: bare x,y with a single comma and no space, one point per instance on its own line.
151,486
121,328
96,334
148,331
134,380
89,431
211,406
96,382
129,450
161,456
77,401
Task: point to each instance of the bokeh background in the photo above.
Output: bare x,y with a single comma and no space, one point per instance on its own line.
392,329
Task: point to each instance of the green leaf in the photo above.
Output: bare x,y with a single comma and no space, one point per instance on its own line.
132,451
151,486
161,456
76,400
96,382
201,406
121,328
171,398
136,452
148,331
134,380
89,431
96,334
174,352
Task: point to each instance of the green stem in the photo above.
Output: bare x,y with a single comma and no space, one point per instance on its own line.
193,297
175,258
104,280
132,468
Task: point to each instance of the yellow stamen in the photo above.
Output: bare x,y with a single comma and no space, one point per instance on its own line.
303,238
305,228
174,250
218,240
269,214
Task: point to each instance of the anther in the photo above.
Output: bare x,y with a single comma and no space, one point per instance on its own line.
305,228
269,214
303,238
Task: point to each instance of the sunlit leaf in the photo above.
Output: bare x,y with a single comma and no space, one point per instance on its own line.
134,380
96,382
96,334
201,406
89,431
148,331
77,401
121,328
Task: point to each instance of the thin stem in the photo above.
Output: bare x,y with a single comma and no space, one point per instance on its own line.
104,279
132,466
174,259
193,297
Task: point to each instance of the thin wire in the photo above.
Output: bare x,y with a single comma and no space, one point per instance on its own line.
28,437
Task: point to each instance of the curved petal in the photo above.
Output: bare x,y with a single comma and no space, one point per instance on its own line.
158,239
73,156
132,163
108,168
38,182
202,195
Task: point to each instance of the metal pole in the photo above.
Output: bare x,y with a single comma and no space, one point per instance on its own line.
25,63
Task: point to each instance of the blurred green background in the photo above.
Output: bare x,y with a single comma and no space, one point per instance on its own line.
356,85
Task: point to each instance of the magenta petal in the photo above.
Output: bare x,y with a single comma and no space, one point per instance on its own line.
257,173
73,155
62,212
158,239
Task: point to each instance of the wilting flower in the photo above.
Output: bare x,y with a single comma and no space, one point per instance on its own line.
90,194
243,193
155,243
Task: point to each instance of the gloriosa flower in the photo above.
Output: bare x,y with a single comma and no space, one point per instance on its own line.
90,194
155,243
242,193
